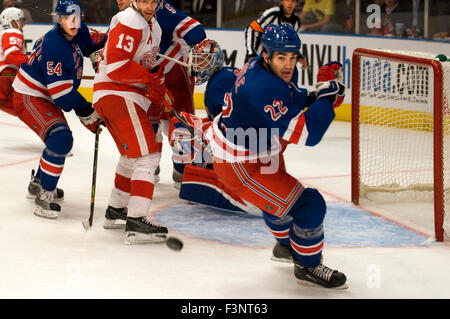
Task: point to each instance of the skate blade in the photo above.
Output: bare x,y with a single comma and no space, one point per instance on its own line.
133,238
311,284
38,211
113,224
282,260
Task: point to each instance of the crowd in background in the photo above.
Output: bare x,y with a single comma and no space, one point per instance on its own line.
399,18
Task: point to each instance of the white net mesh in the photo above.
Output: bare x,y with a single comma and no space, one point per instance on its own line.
396,158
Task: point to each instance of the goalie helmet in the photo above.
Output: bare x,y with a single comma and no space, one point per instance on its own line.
280,38
206,58
9,15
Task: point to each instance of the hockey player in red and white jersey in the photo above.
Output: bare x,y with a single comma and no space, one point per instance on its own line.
12,54
180,33
126,87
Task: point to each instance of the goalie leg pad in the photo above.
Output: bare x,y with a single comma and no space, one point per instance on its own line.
201,185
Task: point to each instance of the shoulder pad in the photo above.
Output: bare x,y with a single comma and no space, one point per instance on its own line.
132,19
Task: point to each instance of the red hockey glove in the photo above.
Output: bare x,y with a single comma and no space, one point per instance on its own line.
329,83
330,71
156,86
96,35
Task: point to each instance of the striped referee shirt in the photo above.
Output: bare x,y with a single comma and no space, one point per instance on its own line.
255,30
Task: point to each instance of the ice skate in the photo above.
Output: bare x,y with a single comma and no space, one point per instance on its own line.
177,178
157,178
140,230
34,188
320,276
282,253
45,205
114,217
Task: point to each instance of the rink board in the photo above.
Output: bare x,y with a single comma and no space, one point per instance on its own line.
345,226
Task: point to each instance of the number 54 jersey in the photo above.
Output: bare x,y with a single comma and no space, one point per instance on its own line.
129,54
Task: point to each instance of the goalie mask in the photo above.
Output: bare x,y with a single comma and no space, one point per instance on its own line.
9,15
206,58
71,9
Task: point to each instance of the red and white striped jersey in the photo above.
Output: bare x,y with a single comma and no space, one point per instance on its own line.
12,49
131,50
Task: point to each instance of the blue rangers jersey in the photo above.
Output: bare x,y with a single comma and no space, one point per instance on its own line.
180,32
263,114
220,83
55,68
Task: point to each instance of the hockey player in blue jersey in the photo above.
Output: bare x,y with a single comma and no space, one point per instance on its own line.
46,86
264,112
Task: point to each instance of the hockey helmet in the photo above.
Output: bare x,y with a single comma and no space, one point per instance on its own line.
9,15
280,38
206,58
70,8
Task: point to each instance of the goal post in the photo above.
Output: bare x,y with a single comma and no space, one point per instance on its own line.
400,130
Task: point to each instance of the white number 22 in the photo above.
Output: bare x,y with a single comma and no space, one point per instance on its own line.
129,45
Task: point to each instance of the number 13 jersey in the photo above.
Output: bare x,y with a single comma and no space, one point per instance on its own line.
131,50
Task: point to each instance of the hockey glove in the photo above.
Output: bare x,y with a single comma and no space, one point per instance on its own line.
156,86
329,83
330,71
334,91
95,59
89,118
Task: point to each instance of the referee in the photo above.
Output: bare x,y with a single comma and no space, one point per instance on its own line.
284,13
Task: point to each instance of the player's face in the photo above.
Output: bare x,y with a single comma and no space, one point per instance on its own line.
123,4
147,8
282,64
70,24
289,6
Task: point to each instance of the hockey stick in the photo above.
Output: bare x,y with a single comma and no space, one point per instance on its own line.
188,127
88,223
35,7
186,65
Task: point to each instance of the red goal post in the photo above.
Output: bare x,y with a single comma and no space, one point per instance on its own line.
399,109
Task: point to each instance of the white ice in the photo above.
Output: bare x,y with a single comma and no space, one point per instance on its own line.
43,258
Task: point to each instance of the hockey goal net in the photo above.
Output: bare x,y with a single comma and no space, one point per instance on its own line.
401,130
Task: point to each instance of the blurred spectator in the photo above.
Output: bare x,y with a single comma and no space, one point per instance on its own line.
396,20
284,13
18,4
344,13
203,6
319,16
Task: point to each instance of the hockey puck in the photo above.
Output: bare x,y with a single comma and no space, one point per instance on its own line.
174,243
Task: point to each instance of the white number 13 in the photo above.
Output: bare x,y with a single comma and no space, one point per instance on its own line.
129,45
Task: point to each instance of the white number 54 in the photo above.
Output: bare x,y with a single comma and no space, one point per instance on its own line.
128,46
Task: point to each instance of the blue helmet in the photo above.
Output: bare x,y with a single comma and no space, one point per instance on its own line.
281,38
68,7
